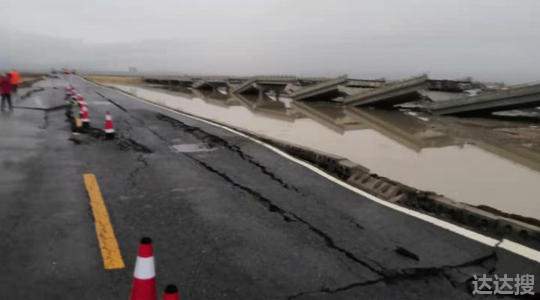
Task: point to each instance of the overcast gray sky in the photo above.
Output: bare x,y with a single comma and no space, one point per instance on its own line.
487,39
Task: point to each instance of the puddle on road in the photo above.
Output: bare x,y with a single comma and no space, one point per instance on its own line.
391,144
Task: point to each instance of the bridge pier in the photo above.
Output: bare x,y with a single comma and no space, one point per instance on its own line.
261,93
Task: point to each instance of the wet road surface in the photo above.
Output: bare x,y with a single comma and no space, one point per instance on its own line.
230,219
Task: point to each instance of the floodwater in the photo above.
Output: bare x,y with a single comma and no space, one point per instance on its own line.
392,144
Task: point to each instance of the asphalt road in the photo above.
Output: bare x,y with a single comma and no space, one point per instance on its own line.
230,219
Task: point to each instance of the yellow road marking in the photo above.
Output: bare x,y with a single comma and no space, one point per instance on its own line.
112,258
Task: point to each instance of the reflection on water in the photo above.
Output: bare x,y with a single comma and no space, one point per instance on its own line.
410,132
389,143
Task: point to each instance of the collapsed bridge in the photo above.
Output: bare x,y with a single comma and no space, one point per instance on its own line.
440,97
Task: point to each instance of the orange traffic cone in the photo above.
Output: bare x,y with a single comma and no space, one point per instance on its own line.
144,277
85,117
171,293
109,128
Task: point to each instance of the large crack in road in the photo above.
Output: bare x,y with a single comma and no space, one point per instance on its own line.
267,203
212,140
113,102
410,274
386,275
132,176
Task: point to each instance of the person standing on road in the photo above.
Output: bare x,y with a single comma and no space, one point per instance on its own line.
5,89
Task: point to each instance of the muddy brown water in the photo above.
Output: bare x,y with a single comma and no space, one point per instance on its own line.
392,144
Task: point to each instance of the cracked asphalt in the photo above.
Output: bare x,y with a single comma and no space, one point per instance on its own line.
235,221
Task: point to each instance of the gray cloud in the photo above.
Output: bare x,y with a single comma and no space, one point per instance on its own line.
486,39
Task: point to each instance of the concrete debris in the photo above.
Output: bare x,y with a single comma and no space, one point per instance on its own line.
521,96
390,94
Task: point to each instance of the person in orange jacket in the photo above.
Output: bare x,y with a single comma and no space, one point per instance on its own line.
15,80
